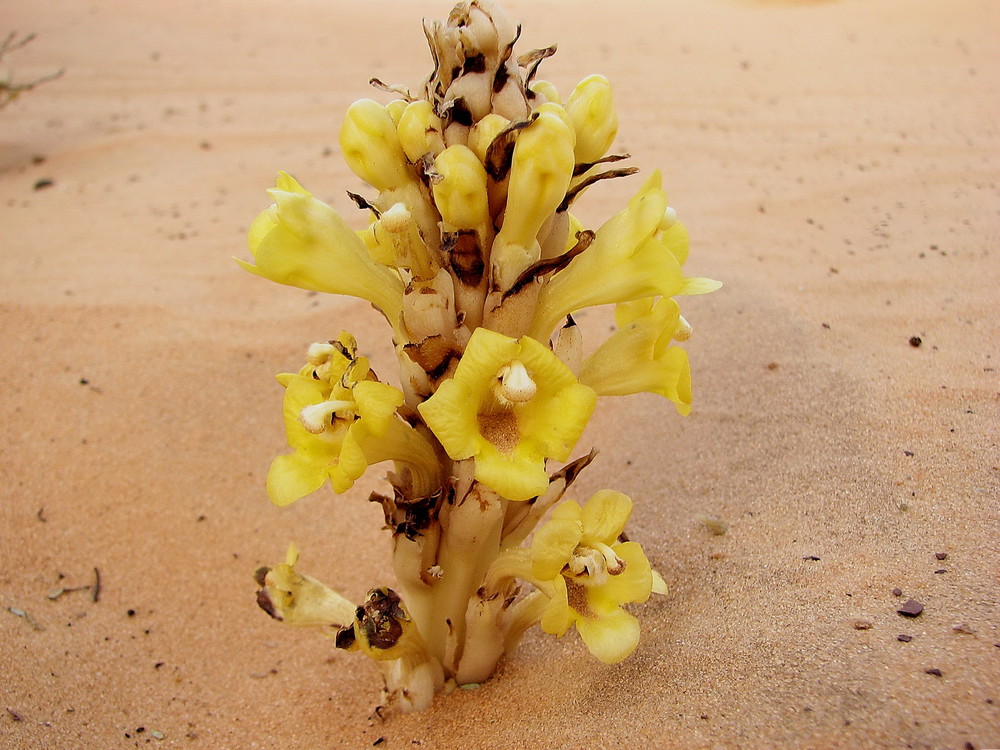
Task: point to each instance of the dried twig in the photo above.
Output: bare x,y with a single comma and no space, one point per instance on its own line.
9,90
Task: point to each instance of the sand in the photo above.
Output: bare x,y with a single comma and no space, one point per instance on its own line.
836,164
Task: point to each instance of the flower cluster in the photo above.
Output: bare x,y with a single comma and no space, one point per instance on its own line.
474,258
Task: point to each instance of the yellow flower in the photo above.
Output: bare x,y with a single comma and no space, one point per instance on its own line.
510,405
298,599
592,574
302,242
338,420
639,358
626,261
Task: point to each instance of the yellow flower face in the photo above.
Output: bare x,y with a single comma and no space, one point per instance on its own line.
592,574
331,409
511,405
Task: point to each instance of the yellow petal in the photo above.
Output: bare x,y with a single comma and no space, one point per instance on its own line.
605,516
552,546
292,477
451,415
676,240
659,585
612,637
569,511
638,358
420,130
697,285
558,617
351,464
377,403
634,584
519,478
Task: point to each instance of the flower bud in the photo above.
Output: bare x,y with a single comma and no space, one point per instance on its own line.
395,109
484,132
371,146
540,174
420,130
591,109
460,191
546,91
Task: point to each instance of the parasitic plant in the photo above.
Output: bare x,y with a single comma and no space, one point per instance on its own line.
473,256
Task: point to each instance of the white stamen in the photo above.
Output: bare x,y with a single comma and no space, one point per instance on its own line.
615,565
396,219
319,353
684,330
516,384
589,566
668,220
316,417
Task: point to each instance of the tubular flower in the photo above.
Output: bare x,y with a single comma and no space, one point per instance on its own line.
592,574
298,599
338,420
625,262
510,405
639,358
301,241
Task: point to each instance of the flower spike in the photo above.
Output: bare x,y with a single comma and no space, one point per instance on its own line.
472,251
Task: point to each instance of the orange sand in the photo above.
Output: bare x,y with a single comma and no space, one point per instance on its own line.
837,165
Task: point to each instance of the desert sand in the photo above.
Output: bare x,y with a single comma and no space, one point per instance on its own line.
837,166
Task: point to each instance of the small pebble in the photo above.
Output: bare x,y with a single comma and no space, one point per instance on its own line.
904,637
863,625
716,525
912,608
941,555
897,592
916,341
934,671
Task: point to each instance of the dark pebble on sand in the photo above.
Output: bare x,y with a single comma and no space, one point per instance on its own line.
912,608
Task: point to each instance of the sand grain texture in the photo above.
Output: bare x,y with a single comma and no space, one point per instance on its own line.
837,165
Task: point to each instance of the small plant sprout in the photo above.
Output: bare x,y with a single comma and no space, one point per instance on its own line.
473,256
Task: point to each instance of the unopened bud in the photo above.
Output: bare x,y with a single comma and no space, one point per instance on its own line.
484,132
540,174
546,91
371,146
591,108
420,131
460,191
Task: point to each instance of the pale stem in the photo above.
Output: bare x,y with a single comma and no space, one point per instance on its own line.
470,541
521,616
